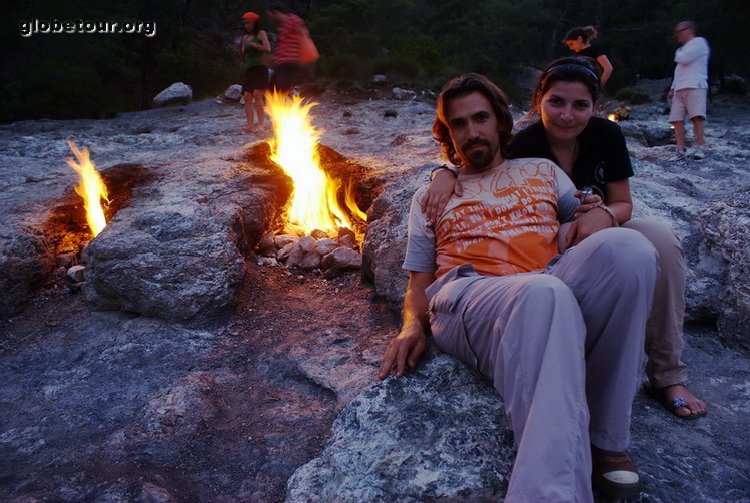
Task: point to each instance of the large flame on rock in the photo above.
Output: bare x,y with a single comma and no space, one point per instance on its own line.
91,188
294,148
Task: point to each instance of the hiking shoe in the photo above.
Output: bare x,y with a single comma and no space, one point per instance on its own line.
614,474
699,152
679,155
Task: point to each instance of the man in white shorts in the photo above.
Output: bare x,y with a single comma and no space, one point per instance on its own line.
689,88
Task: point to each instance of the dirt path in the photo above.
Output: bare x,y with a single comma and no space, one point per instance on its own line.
100,406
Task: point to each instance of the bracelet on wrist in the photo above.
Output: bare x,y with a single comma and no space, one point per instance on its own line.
609,211
444,166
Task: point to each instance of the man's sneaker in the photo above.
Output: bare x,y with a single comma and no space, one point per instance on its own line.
699,152
679,155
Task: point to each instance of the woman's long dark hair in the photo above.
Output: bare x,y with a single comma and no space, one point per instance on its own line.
587,34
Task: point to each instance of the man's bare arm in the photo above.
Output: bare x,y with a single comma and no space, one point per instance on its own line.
406,348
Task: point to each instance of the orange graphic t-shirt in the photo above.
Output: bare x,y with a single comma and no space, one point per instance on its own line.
506,222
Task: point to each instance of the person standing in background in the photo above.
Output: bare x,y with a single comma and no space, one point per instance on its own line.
689,89
287,70
253,49
579,40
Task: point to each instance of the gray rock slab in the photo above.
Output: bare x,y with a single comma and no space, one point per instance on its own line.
440,434
26,259
177,251
384,247
726,225
177,247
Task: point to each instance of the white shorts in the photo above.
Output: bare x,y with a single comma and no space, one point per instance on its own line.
690,102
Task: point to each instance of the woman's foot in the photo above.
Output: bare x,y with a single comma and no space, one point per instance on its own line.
678,400
264,129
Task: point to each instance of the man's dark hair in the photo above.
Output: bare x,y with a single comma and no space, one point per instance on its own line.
464,86
570,69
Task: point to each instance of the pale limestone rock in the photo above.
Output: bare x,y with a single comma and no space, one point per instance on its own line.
284,252
281,240
233,92
342,259
176,94
326,246
76,273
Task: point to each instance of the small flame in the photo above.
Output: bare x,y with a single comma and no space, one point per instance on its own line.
91,188
294,148
613,117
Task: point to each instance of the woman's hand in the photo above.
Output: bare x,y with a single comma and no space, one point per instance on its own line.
443,185
588,201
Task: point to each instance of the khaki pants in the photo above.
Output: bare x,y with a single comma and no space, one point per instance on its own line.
664,336
562,347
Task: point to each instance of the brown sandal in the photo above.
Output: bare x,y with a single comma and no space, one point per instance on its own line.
614,474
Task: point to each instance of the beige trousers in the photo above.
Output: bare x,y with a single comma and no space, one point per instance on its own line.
664,336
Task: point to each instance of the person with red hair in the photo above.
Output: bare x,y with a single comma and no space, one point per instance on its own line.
254,48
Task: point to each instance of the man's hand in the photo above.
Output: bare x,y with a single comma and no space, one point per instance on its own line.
404,350
670,95
585,225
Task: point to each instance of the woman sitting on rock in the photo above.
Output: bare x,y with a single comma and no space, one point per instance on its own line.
592,151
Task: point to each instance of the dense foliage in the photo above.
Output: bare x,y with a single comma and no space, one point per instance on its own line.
418,43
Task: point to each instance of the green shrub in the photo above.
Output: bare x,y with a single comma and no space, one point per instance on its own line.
632,96
343,67
734,84
397,67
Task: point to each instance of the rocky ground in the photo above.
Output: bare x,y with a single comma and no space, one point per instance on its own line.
116,406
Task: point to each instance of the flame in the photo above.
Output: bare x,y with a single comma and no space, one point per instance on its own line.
612,117
91,188
294,148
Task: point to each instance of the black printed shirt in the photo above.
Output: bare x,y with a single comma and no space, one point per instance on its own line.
602,154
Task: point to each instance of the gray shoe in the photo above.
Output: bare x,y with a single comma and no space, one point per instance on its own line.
679,155
699,152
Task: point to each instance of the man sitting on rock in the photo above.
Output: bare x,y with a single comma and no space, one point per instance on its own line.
560,336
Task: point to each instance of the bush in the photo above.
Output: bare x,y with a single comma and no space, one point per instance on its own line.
397,67
734,84
343,67
632,96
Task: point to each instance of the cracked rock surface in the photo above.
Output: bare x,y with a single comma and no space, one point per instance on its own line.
226,402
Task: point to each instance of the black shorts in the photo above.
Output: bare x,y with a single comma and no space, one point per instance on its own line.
287,75
256,77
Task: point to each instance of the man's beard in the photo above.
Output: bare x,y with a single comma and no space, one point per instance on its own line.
478,160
